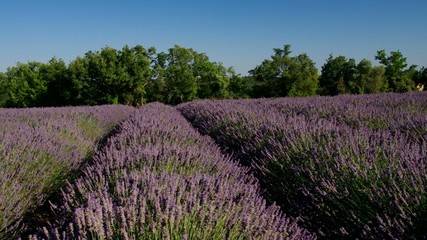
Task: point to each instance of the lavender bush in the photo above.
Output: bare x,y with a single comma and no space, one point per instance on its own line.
38,149
348,166
158,178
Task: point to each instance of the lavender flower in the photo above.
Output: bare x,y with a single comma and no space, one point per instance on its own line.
158,178
348,166
39,147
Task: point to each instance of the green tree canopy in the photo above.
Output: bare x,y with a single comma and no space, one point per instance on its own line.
367,79
157,88
283,75
398,76
181,83
338,76
24,85
55,75
239,87
376,80
111,76
135,75
212,78
421,77
3,90
183,74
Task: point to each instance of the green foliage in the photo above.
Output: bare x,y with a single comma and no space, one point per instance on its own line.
362,78
135,75
338,76
157,87
398,76
367,78
24,85
343,76
302,76
111,76
36,84
78,77
283,75
183,74
240,87
420,76
376,82
57,82
3,90
180,80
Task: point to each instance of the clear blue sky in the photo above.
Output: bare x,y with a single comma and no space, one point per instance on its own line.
238,33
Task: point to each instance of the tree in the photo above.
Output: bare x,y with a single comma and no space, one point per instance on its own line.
24,86
180,80
133,74
3,91
111,76
239,87
157,87
376,83
103,76
182,75
338,76
55,75
265,81
421,77
398,76
363,71
302,77
283,75
368,79
95,77
212,78
78,76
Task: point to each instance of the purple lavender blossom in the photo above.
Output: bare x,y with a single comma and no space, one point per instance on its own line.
39,147
347,166
158,178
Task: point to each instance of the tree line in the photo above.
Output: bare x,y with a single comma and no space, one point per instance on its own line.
136,75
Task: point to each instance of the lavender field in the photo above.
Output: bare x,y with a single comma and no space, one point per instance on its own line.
346,167
158,178
39,148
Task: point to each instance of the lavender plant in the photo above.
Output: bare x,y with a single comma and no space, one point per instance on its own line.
39,148
158,178
348,166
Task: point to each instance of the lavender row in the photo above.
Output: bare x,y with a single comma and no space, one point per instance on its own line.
343,180
404,113
158,178
38,148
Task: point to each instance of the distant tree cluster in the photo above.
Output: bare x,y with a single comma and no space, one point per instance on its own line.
131,76
283,75
135,75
